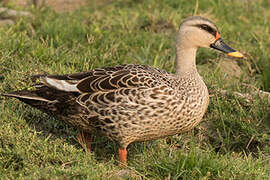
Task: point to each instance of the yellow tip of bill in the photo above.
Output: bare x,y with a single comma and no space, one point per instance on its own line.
236,54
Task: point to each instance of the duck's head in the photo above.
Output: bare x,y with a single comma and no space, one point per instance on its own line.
196,31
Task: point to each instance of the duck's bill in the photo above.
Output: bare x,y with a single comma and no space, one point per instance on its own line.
220,45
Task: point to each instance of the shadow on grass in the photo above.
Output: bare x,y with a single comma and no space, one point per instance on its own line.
233,135
48,126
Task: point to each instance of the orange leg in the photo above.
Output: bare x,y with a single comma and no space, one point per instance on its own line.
123,156
84,139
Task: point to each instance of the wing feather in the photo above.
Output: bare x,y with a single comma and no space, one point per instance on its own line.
106,79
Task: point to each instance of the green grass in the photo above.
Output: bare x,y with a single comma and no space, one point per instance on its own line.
231,143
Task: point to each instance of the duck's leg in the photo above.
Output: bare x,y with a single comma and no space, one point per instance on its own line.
123,156
84,139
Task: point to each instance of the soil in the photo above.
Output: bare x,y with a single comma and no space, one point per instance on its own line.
57,5
230,68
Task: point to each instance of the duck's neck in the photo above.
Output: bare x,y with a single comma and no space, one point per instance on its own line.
185,60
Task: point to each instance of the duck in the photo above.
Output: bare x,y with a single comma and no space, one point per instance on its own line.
131,102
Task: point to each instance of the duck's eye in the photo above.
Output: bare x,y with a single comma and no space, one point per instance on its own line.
207,28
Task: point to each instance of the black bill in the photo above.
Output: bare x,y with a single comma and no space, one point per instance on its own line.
220,45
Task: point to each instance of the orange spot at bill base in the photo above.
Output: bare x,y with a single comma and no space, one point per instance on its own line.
217,36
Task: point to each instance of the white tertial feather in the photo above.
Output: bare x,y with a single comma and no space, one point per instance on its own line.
61,85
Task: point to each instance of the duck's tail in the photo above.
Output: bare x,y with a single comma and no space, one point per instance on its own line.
25,96
34,98
44,98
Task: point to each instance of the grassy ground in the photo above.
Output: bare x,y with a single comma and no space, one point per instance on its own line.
232,142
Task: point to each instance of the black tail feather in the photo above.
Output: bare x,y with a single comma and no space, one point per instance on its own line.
48,100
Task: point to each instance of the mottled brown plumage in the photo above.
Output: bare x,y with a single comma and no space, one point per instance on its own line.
131,103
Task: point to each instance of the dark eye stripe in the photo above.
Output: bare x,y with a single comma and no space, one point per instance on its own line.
207,28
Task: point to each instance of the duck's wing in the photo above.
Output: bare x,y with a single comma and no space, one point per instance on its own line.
95,94
107,79
64,89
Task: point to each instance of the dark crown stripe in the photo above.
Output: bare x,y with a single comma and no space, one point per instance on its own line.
207,28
